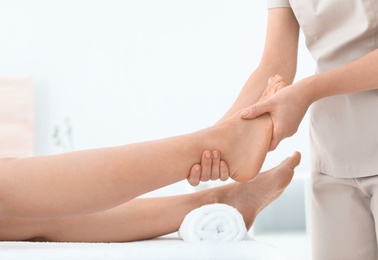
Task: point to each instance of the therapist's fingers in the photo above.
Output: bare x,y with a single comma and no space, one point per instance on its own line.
215,174
210,168
255,110
223,169
206,163
201,172
194,175
263,105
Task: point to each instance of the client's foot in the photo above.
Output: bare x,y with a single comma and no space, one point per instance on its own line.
274,84
245,143
252,197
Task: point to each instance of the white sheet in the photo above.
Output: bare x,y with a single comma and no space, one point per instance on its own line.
164,248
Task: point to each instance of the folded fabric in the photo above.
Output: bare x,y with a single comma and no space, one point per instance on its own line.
213,222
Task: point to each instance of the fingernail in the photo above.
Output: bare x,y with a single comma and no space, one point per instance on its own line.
197,168
244,113
215,154
208,155
222,163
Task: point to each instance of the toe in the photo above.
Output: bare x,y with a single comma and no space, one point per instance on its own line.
292,161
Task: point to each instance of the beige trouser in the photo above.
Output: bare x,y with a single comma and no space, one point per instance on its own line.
343,217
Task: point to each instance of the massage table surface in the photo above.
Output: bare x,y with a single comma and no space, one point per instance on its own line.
165,247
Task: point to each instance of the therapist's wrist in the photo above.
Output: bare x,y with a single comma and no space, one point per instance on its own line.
310,90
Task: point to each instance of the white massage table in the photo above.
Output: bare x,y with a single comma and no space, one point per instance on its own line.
165,248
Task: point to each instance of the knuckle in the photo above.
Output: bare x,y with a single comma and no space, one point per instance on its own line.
279,77
254,110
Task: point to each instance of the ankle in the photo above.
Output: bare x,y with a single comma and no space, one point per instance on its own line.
209,196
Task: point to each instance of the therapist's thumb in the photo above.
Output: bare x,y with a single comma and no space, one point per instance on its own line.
253,111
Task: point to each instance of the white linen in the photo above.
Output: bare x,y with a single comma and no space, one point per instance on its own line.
169,247
213,222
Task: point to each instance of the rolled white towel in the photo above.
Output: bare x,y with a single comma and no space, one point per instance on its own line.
213,222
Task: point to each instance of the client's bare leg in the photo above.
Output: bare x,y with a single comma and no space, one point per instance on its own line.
89,181
152,217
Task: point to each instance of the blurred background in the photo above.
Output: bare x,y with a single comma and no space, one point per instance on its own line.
114,72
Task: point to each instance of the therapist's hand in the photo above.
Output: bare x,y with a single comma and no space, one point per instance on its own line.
211,168
286,105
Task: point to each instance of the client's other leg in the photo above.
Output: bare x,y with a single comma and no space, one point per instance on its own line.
152,217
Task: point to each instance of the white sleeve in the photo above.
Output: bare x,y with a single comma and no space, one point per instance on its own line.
278,3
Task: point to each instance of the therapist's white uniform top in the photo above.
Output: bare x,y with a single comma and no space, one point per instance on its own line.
344,128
